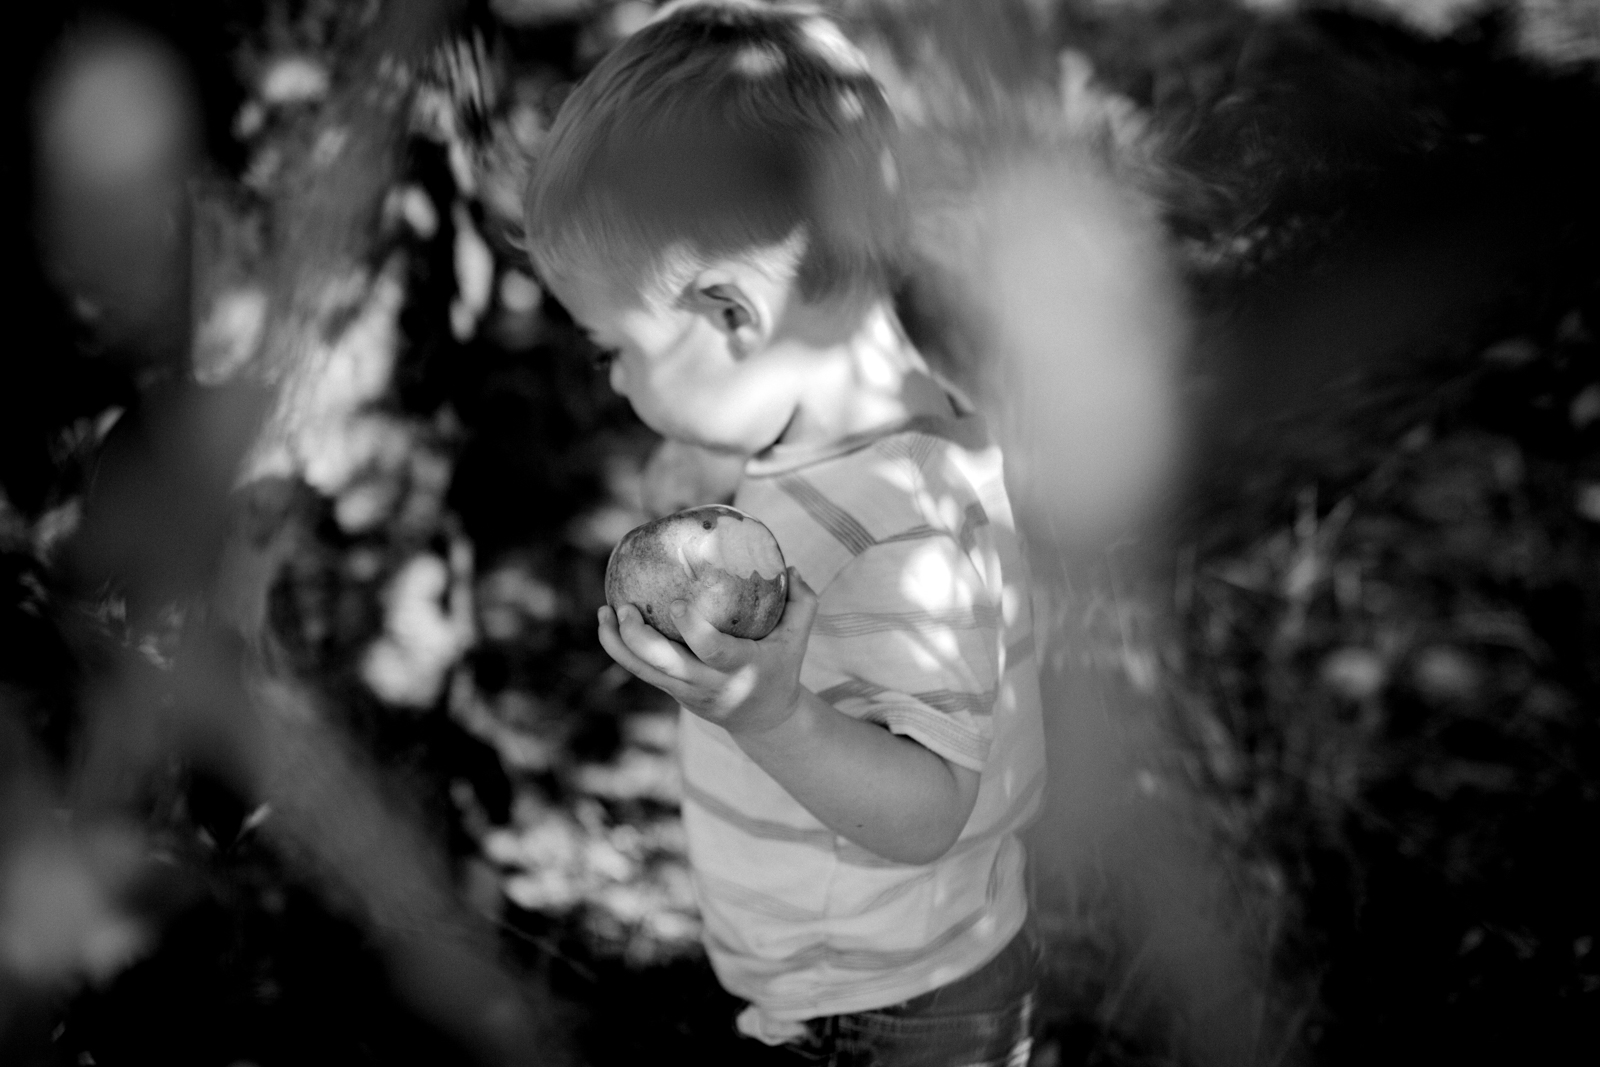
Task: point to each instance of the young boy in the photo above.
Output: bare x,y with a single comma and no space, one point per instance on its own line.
717,205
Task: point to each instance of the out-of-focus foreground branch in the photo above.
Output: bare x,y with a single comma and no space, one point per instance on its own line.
183,532
1039,204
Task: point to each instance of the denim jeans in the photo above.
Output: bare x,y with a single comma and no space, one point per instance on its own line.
982,1020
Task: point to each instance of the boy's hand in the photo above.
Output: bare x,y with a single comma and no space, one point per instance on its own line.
742,686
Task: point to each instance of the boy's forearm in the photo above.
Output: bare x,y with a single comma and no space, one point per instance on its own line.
887,793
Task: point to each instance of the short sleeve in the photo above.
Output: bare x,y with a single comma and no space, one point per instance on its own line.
907,635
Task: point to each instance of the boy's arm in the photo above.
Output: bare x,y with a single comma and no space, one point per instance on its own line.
887,793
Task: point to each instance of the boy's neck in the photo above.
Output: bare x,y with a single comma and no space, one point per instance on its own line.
872,379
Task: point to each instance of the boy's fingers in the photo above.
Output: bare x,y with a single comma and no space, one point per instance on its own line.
713,647
611,640
668,657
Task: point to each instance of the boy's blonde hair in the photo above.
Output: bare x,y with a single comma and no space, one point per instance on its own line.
726,128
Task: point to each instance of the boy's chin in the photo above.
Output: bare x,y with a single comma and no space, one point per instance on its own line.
740,442
720,448
733,425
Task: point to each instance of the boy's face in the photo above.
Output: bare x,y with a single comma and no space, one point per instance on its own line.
695,370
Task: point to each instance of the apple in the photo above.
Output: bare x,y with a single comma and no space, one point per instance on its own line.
723,562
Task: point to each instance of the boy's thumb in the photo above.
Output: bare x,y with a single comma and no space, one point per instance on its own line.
798,587
802,606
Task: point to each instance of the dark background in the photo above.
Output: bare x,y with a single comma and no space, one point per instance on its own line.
1370,608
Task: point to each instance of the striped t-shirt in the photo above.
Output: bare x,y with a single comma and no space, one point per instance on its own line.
924,627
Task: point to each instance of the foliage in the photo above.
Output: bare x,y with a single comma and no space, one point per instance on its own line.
1358,662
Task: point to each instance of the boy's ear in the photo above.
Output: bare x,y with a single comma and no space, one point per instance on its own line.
733,309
